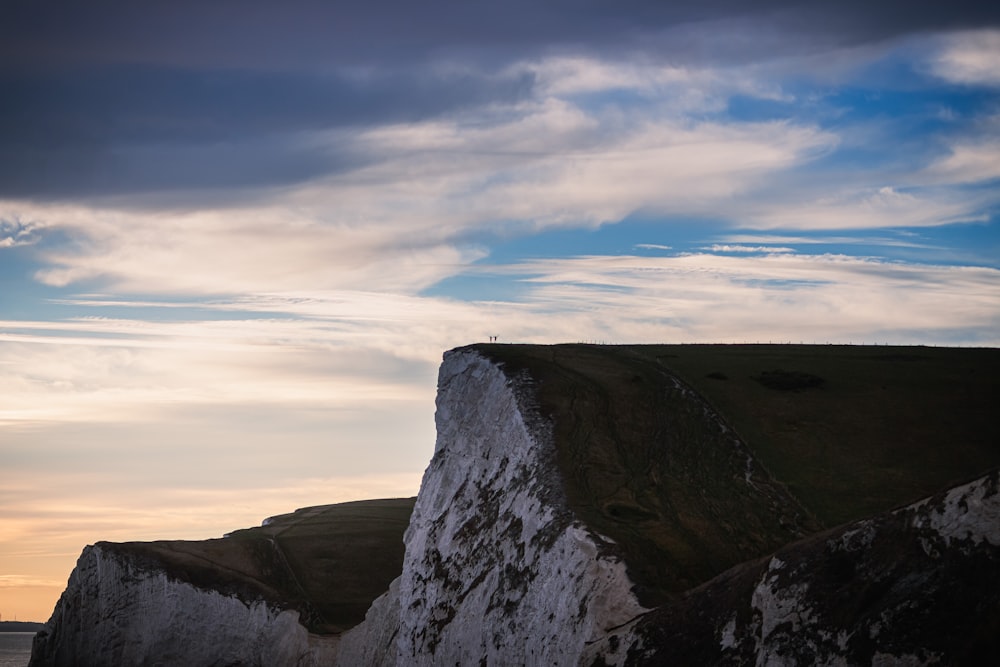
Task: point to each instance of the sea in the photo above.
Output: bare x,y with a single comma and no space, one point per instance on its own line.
15,648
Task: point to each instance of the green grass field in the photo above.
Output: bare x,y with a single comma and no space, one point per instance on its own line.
888,425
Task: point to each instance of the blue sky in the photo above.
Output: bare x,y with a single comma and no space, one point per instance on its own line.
236,237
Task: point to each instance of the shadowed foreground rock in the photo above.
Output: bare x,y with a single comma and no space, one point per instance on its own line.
583,506
918,586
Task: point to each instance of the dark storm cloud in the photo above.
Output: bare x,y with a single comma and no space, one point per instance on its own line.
114,130
115,96
261,33
161,104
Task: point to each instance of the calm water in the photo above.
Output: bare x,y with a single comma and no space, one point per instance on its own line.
15,648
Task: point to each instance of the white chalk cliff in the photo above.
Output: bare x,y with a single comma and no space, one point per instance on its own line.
504,566
115,612
497,570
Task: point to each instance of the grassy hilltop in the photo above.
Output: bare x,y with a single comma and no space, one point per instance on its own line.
838,433
885,425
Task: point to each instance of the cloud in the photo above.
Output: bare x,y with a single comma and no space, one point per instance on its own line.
104,370
401,217
14,233
867,208
971,159
242,33
27,581
145,129
678,88
558,164
725,247
902,240
969,58
535,143
188,98
227,251
785,296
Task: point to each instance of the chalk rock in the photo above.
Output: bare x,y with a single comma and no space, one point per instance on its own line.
497,570
278,594
114,612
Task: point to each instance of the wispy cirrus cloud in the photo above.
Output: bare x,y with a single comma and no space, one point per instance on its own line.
815,298
27,581
725,247
870,208
973,159
234,250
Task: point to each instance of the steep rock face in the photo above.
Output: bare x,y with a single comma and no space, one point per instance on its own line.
917,586
497,570
114,612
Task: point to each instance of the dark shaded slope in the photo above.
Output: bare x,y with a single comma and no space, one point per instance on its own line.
920,585
886,426
328,562
645,462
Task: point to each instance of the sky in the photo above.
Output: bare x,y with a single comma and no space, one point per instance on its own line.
237,236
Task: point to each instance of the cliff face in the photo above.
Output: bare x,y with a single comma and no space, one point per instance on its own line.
116,613
583,506
497,569
274,595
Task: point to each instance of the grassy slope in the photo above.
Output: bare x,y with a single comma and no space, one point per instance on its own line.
887,426
329,562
